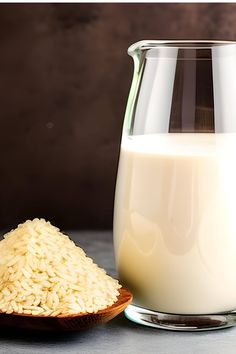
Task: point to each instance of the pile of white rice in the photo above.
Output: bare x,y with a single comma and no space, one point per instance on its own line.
42,272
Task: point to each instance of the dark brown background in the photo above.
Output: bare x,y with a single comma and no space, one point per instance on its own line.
64,81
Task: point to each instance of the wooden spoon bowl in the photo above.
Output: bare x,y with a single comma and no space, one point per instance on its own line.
66,323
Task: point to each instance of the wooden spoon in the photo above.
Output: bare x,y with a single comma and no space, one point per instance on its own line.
66,323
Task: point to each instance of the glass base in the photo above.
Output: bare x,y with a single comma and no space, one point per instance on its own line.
180,322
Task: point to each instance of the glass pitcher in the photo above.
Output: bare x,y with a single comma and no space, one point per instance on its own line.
174,214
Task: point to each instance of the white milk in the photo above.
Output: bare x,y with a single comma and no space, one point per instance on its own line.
175,221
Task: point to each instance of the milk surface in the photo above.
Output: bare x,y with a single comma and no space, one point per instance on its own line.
175,221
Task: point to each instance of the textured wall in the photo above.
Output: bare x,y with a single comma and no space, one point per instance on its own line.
64,80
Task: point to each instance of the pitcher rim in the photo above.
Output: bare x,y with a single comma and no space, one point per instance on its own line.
178,44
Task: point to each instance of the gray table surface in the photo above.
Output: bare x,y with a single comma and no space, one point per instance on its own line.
119,335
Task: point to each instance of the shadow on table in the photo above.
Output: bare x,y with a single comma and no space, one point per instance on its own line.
119,326
34,336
